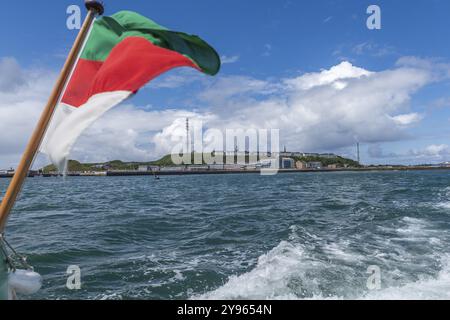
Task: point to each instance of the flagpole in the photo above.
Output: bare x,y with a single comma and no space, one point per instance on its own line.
94,8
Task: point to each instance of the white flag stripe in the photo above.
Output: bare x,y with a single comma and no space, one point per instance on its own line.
68,123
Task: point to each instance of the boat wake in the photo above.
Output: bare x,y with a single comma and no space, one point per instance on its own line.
290,271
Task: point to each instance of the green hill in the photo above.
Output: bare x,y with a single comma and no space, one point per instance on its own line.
166,161
340,161
76,166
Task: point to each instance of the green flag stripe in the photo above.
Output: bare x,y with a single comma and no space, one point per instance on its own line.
107,32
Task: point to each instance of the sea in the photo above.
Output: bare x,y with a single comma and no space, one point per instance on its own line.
336,235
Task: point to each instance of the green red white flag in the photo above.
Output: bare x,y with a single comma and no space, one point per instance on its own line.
122,54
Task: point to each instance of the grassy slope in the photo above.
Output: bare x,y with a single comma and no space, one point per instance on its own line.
325,161
166,161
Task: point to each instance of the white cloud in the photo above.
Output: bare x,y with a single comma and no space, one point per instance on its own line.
373,49
11,75
328,109
441,149
129,133
429,154
375,151
23,94
438,69
176,78
231,59
323,110
334,75
433,151
407,119
232,86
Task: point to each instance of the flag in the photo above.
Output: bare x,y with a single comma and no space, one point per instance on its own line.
122,53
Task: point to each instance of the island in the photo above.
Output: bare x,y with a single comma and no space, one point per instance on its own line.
289,162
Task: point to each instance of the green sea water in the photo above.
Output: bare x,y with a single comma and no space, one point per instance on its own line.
290,236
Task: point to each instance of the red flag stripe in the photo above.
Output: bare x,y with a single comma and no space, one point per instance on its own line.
131,64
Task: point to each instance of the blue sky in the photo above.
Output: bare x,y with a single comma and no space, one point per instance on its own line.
271,41
303,34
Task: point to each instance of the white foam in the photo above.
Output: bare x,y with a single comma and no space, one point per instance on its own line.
274,275
268,280
444,202
336,250
413,226
426,289
443,205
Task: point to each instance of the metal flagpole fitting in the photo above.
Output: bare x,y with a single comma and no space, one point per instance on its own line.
95,5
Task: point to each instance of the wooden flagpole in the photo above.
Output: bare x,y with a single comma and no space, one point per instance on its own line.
94,8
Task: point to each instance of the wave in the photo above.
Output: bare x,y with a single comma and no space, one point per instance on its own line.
270,278
287,272
437,288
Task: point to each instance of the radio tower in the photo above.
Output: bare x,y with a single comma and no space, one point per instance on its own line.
357,152
187,135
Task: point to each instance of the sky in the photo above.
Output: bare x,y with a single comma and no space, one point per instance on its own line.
309,68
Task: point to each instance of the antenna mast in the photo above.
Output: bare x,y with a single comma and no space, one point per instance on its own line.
187,136
357,151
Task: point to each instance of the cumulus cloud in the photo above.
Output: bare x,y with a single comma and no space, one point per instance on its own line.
429,154
132,134
11,75
335,76
23,93
438,69
376,151
433,151
332,108
318,111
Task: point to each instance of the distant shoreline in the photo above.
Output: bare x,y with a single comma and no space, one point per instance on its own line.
282,171
123,173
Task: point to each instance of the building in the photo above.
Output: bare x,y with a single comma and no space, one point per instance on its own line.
301,165
314,165
143,168
288,154
264,164
102,166
287,163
